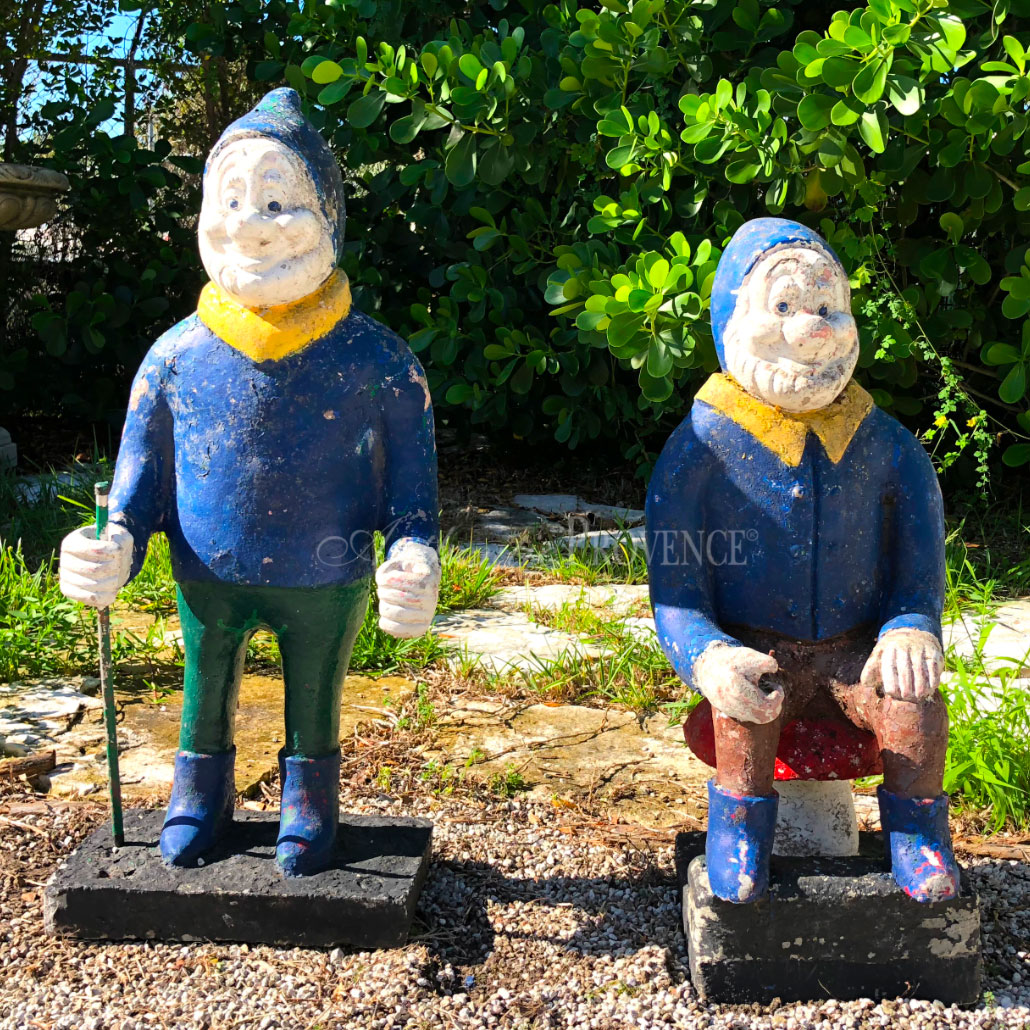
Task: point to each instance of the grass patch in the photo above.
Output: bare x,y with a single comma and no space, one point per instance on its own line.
42,633
988,762
628,672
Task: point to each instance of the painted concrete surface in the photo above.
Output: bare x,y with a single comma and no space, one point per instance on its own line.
815,818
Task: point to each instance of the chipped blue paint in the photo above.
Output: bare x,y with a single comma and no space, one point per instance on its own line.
739,844
918,843
244,467
310,812
203,794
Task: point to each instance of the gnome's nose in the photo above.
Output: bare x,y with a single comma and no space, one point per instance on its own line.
807,333
249,226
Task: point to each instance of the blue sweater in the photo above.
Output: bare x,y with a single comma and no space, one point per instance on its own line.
738,536
277,472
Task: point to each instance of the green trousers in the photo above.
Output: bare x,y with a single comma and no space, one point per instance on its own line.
316,628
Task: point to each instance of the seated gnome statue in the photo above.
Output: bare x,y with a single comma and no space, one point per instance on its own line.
269,435
829,602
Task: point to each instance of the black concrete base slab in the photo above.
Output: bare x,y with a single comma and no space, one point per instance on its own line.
830,928
365,899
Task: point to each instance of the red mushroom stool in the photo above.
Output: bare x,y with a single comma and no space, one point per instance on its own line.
815,762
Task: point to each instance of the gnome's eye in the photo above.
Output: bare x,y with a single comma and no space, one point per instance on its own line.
824,311
275,206
783,307
234,204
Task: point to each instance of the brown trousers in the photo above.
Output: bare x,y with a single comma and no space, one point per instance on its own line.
822,680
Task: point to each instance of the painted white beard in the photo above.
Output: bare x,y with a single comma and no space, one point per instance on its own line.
783,388
304,274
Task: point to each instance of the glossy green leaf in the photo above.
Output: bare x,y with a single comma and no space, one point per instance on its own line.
365,110
873,128
470,66
495,163
870,82
953,225
1013,386
460,165
326,72
814,111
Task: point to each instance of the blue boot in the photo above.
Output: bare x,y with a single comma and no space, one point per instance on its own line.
203,796
309,813
918,841
739,843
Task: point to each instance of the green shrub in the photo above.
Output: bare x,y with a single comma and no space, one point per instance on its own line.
540,191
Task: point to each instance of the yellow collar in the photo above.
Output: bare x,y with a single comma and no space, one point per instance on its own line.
784,432
268,334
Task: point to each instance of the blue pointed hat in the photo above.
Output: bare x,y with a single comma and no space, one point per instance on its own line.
279,116
742,253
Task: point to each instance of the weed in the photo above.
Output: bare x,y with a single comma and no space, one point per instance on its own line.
441,779
988,761
622,669
466,580
425,713
508,783
41,631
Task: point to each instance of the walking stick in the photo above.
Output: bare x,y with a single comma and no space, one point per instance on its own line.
100,492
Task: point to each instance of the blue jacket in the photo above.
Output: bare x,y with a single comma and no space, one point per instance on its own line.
808,527
277,472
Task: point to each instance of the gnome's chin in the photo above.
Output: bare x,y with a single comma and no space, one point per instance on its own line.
791,389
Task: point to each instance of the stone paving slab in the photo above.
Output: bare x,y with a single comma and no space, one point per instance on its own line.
506,641
637,766
566,504
603,540
1006,646
615,598
34,713
365,899
148,733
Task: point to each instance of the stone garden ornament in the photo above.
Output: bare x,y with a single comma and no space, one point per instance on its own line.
269,435
816,641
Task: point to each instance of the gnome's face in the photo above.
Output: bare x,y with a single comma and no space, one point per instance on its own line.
263,237
791,341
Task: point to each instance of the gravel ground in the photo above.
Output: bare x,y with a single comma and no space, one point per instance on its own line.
530,918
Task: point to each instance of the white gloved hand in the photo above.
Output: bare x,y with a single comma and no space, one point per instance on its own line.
93,571
907,663
409,584
728,676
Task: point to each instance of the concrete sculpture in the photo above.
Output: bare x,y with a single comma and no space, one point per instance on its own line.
817,641
268,436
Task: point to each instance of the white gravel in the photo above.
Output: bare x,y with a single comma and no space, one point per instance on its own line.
530,919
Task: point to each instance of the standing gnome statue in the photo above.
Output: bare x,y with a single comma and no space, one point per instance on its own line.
269,435
831,610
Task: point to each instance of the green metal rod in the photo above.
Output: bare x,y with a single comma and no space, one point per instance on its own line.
100,492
